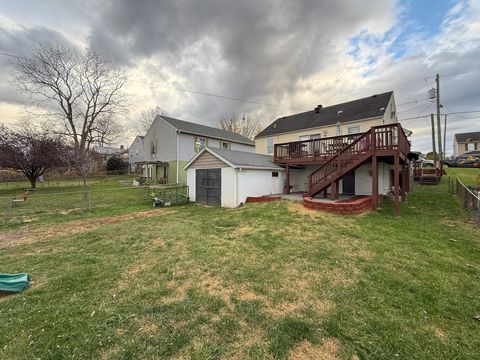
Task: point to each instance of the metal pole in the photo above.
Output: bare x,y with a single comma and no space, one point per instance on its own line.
438,119
433,140
444,136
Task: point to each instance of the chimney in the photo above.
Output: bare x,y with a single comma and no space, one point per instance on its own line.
317,109
121,147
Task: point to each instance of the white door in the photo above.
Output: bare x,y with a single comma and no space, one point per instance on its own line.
275,189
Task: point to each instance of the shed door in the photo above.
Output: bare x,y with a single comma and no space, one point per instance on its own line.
209,187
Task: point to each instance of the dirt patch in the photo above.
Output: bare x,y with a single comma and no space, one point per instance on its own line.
442,335
327,351
297,207
30,234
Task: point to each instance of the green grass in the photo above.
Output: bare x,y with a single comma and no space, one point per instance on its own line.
469,176
263,281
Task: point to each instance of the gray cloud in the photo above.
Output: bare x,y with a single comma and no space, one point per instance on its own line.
291,54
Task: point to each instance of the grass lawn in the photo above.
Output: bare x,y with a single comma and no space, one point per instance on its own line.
469,176
269,280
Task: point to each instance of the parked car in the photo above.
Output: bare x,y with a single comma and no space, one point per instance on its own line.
468,159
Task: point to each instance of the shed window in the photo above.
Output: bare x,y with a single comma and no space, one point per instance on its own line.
200,143
274,173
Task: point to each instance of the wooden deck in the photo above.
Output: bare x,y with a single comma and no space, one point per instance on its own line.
339,155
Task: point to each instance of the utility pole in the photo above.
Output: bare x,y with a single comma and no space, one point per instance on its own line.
433,141
444,135
439,127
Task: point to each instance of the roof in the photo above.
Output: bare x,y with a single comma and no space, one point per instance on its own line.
208,131
470,136
369,107
107,150
239,159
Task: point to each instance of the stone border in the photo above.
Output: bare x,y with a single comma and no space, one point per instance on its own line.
341,207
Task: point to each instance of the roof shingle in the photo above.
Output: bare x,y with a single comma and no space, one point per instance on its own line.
198,129
369,107
470,136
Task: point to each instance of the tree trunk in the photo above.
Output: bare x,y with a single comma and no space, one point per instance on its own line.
33,182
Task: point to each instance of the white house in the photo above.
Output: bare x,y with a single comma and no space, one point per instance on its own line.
227,177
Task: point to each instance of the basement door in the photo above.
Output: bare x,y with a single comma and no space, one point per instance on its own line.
349,183
209,186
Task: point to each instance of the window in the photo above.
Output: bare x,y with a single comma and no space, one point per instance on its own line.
152,147
224,145
315,136
354,129
470,146
304,137
200,143
270,145
274,173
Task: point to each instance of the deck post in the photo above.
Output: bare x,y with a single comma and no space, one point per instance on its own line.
396,174
407,183
404,180
287,180
374,183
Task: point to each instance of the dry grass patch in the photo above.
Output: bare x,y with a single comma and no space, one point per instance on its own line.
307,351
29,234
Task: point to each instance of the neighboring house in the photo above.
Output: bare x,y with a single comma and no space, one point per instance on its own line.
106,152
466,142
353,148
227,177
135,154
169,143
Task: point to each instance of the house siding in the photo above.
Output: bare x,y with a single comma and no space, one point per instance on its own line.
265,184
164,136
135,152
229,185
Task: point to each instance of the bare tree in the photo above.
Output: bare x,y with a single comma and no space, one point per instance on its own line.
247,125
106,131
78,90
32,154
84,162
149,116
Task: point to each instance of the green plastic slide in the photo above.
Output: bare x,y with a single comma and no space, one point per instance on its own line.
14,282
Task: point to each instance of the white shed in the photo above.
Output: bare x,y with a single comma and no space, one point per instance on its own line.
227,177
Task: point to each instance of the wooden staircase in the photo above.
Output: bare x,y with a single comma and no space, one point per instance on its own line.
345,160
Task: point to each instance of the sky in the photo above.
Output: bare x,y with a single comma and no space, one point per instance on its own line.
284,56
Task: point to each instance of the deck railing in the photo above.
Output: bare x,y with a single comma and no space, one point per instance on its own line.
378,138
312,150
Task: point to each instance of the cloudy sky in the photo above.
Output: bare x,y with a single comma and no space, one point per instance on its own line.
284,56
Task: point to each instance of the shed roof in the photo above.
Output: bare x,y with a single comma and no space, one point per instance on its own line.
369,107
470,136
239,159
208,131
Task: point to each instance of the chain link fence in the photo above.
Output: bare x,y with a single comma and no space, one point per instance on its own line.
468,197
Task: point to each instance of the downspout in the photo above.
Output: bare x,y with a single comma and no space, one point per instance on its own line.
235,190
177,155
